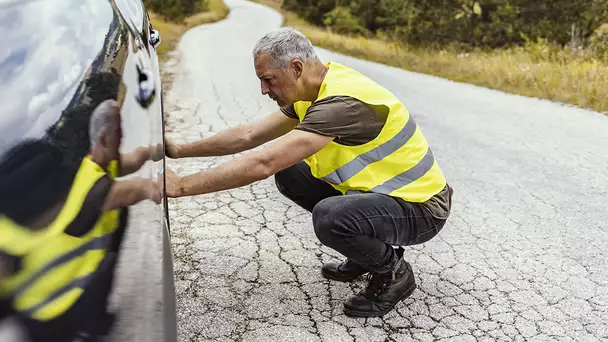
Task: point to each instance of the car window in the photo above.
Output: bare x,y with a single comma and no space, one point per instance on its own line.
47,49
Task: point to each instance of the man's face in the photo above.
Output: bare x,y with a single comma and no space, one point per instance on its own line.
113,134
280,85
109,141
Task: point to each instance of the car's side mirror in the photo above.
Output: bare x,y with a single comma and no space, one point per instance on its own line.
154,38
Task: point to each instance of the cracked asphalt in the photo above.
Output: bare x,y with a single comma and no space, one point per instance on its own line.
523,256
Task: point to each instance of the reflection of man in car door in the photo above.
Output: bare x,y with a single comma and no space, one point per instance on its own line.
106,134
58,261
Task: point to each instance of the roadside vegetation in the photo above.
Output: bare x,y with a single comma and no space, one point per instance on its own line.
556,49
173,18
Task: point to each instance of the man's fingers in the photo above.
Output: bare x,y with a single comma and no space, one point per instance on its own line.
171,193
155,191
169,171
158,193
170,174
157,152
172,183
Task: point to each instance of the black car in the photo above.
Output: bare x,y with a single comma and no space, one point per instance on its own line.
84,229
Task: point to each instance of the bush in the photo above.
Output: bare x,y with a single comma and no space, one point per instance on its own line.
598,43
310,10
342,21
482,23
176,10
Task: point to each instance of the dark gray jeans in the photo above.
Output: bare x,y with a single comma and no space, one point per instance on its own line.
362,227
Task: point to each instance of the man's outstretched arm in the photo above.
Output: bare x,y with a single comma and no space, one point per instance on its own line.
132,191
285,152
236,139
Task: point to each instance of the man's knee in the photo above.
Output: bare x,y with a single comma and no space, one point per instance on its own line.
327,221
322,222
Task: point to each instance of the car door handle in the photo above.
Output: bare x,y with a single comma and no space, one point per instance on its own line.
154,38
146,92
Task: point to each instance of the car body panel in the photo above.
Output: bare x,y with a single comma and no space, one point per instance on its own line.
60,60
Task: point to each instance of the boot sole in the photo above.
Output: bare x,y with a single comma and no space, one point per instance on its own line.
356,313
331,277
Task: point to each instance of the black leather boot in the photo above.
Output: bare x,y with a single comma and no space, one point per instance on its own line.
383,292
348,270
344,271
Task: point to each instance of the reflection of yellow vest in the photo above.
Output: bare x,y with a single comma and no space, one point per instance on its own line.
398,162
55,266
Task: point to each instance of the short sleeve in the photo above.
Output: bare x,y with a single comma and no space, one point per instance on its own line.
290,111
349,121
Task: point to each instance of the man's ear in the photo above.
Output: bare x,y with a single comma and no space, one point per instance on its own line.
298,67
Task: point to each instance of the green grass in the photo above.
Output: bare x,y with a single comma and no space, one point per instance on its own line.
538,70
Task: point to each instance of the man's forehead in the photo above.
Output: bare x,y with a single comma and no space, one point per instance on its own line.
263,64
263,57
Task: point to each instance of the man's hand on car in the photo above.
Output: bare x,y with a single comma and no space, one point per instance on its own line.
172,149
173,183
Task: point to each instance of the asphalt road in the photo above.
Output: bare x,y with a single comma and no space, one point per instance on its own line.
523,256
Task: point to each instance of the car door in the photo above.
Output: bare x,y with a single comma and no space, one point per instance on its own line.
60,60
151,247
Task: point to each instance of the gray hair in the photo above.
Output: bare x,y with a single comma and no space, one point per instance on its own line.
100,121
284,45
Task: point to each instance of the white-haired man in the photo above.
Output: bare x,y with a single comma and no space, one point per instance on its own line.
348,152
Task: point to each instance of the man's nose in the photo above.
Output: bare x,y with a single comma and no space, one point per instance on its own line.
265,89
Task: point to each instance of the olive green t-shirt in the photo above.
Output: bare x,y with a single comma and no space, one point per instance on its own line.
352,122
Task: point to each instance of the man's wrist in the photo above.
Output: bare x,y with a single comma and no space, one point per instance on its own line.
192,150
181,150
181,186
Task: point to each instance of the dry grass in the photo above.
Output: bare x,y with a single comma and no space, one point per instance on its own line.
534,71
171,32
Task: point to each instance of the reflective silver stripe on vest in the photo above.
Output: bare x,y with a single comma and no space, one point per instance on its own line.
77,283
95,244
408,176
355,166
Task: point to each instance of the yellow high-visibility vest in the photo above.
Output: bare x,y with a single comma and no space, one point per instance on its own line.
398,162
55,266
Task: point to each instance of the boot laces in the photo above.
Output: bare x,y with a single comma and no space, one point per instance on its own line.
377,282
